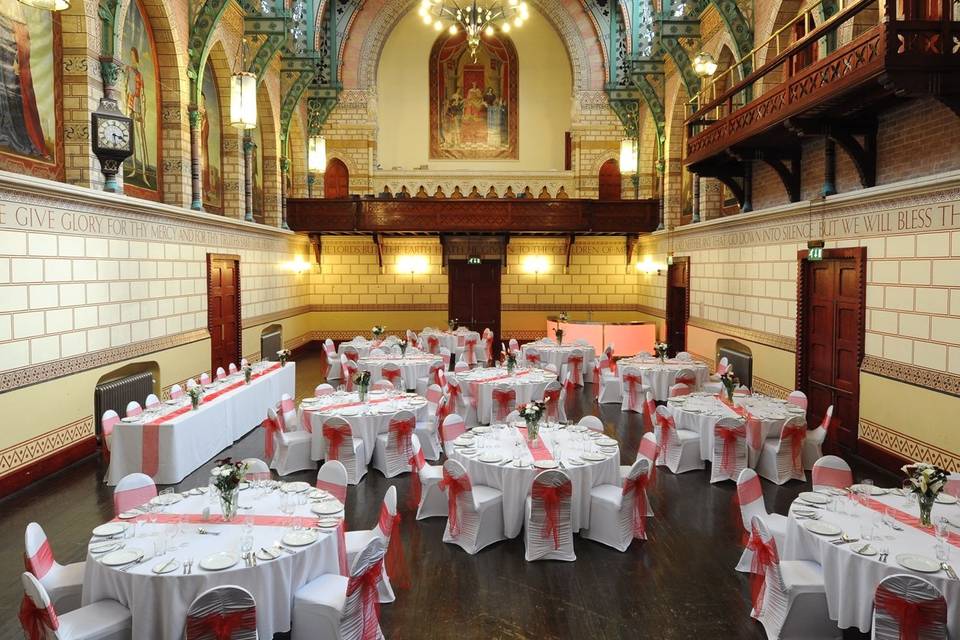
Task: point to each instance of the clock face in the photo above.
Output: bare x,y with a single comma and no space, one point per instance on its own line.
113,134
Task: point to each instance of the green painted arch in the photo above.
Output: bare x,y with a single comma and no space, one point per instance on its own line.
682,59
201,39
737,24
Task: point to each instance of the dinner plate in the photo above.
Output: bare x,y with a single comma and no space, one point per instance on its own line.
127,515
954,521
607,442
868,489
822,528
804,512
171,402
490,457
327,508
482,429
167,566
219,561
917,562
110,529
130,419
310,400
864,549
545,464
813,498
166,499
317,493
329,523
121,556
594,457
104,547
299,538
597,435
578,428
946,498
350,411
294,487
574,460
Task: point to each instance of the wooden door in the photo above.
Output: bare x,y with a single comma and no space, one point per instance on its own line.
678,286
830,344
336,180
474,295
610,181
223,310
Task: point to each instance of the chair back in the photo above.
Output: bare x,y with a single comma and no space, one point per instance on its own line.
532,357
723,365
227,611
687,377
37,617
232,369
289,410
632,386
767,565
350,352
433,343
391,372
633,504
750,497
504,401
445,355
905,606
792,435
221,373
552,368
591,422
729,447
349,368
361,609
176,392
382,385
434,393
132,491
551,395
388,511
134,409
798,398
575,362
684,356
204,378
470,342
152,401
648,447
332,478
108,421
377,353
461,508
399,430
953,485
323,390
38,556
831,471
338,440
453,427
191,384
257,469
461,366
665,428
679,389
550,505
514,345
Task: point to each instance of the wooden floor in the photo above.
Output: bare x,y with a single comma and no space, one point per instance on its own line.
679,584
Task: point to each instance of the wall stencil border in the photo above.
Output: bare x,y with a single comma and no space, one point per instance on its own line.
940,381
906,447
760,337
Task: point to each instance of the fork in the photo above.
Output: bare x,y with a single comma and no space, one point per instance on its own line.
188,566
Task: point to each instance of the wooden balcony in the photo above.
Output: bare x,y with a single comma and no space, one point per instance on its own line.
480,216
823,77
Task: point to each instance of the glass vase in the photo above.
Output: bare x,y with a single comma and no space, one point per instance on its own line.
533,428
729,394
926,508
195,402
362,392
510,367
228,503
247,374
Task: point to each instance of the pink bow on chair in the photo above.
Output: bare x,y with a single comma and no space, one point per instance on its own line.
575,363
366,583
533,358
502,398
393,375
764,556
270,429
454,487
728,459
552,398
396,567
222,625
400,431
470,351
638,486
417,462
35,621
633,394
552,496
911,617
796,434
335,437
433,344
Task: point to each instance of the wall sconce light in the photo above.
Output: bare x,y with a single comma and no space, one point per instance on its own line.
243,93
298,265
536,265
412,264
48,5
648,267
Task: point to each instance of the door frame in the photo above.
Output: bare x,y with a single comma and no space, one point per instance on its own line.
497,331
859,257
686,307
611,162
236,277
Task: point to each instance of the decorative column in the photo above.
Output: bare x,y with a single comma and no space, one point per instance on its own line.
248,176
661,166
284,169
310,180
110,72
196,185
696,197
829,168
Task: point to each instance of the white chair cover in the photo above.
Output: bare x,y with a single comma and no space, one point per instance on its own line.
291,448
813,443
392,450
100,620
593,423
750,500
152,401
388,523
781,459
798,398
474,512
333,361
332,478
729,449
227,606
323,390
221,373
831,471
257,469
679,448
132,491
340,444
133,409
898,592
425,493
548,533
618,513
64,583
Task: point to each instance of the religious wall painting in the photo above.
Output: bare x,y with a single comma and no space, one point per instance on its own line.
139,85
31,111
211,136
257,137
473,101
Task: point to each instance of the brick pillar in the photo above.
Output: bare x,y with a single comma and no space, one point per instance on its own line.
234,205
711,198
175,142
247,176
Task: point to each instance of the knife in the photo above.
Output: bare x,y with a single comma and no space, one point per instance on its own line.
167,565
950,572
273,556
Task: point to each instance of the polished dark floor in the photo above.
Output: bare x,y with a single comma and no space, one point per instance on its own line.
678,584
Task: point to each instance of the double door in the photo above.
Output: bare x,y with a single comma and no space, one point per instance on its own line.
474,295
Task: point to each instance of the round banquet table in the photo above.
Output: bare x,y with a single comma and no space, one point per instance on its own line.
557,356
159,603
411,367
851,578
515,481
363,348
700,412
367,419
479,383
659,377
451,340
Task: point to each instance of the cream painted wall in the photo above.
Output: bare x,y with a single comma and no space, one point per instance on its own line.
545,94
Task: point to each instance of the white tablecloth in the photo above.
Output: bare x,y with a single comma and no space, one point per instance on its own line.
453,341
186,442
557,356
366,419
515,482
159,603
529,384
660,377
851,579
411,367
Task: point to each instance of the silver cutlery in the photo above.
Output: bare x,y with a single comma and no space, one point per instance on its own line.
273,556
949,570
139,560
883,557
207,532
277,545
188,566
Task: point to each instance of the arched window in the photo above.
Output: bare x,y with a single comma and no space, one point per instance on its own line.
139,85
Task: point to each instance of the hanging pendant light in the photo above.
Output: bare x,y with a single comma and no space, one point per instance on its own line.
48,5
243,95
628,156
317,154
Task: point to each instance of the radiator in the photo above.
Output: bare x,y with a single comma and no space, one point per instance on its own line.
117,393
270,343
742,363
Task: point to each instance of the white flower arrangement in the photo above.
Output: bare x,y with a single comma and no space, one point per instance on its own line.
452,323
661,348
533,410
926,480
378,330
196,395
283,355
228,474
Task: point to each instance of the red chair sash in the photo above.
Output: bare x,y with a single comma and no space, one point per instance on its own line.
650,410
454,487
400,431
533,358
433,344
40,562
632,381
393,375
597,379
666,424
436,372
830,477
396,566
335,438
443,410
638,486
489,344
501,400
764,556
575,363
552,398
222,625
366,583
353,356
35,621
454,394
338,491
270,429
911,617
551,497
417,462
687,380
728,458
130,498
470,351
796,435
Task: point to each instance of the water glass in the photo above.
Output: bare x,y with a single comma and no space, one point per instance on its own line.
159,546
866,529
942,550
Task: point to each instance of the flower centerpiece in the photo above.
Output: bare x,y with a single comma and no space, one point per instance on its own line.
377,331
730,381
531,414
661,349
226,477
559,333
362,380
452,324
196,395
563,316
926,482
509,358
403,348
247,373
283,355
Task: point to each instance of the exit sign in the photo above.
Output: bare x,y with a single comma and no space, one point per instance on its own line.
473,260
816,254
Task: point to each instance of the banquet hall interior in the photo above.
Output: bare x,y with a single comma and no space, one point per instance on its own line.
490,319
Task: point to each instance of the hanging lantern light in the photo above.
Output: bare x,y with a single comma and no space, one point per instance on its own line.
628,156
243,94
704,65
48,5
317,154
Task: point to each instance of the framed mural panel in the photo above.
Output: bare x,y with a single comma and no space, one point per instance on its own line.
31,102
140,98
473,102
211,136
257,136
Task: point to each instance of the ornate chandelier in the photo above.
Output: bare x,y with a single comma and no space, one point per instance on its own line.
480,17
